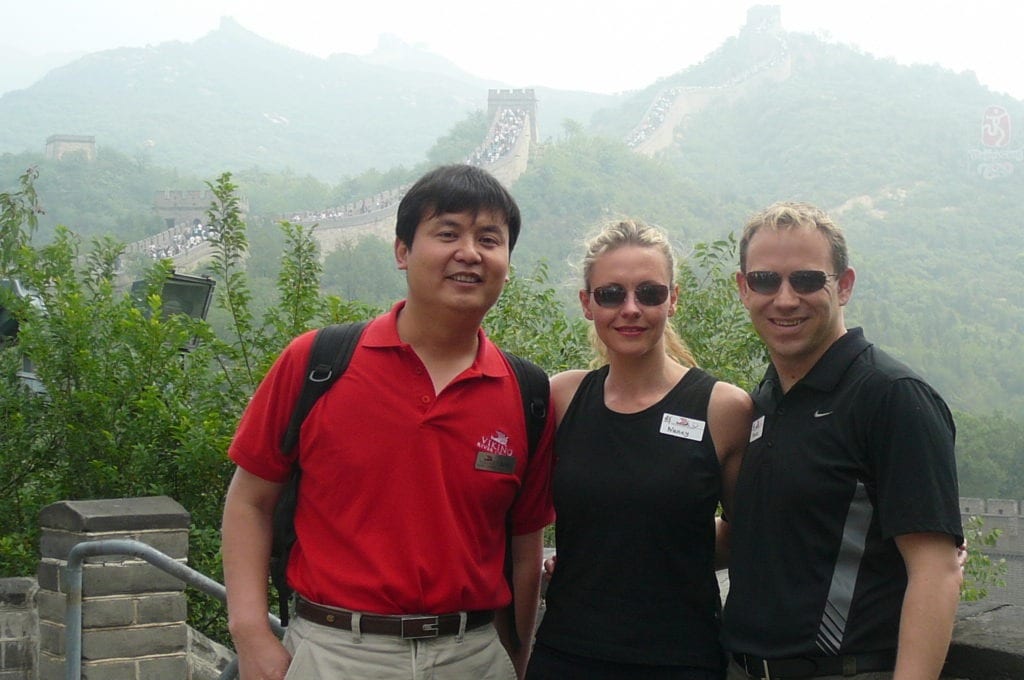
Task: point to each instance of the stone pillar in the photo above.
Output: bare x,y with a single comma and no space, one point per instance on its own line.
18,628
133,614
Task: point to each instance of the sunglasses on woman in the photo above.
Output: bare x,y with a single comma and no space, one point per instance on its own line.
803,281
614,295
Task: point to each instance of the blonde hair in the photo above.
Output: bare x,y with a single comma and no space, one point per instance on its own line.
633,232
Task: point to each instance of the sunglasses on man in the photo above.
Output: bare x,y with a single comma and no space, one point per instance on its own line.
803,281
614,295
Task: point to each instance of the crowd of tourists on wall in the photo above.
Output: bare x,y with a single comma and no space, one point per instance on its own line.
365,206
666,99
507,128
178,240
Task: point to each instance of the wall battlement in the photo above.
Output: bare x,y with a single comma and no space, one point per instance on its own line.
1006,515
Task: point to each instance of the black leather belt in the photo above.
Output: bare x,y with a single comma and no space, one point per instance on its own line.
815,666
412,627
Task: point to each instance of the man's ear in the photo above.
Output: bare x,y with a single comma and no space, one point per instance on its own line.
846,281
401,254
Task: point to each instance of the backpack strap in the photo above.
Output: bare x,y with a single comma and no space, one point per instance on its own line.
332,349
535,390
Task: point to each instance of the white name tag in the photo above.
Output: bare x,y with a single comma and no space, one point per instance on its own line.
757,429
685,428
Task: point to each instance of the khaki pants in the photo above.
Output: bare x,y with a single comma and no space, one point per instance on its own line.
736,672
320,652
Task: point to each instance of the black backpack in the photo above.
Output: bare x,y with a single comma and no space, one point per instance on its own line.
332,350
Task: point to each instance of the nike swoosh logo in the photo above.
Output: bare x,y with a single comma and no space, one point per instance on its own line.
822,414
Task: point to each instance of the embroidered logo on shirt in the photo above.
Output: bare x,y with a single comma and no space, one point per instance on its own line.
497,443
684,428
822,414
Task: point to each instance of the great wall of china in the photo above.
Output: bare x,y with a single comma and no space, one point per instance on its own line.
505,152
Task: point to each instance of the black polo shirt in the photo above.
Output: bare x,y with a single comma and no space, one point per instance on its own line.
857,452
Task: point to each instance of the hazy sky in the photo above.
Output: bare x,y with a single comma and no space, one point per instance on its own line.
595,45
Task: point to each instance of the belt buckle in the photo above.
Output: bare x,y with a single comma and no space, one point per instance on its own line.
418,627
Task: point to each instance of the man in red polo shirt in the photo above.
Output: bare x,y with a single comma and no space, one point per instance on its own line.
411,463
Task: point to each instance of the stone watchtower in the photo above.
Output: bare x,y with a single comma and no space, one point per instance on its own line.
184,207
58,146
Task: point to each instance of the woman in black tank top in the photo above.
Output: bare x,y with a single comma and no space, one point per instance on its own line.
647,446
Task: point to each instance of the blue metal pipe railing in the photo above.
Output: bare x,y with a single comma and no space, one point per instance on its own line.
73,580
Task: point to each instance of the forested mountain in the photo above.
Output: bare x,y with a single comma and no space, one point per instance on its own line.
233,100
898,154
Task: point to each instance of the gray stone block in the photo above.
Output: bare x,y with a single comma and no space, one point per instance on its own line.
17,592
988,643
16,675
17,624
127,579
136,641
122,669
51,638
121,578
173,667
51,605
48,576
161,608
207,658
108,612
115,514
17,654
57,543
51,667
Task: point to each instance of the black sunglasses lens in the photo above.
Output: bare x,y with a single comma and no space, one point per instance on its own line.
807,281
764,283
647,294
609,296
651,294
804,281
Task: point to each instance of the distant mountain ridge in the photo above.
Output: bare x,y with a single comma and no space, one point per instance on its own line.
233,100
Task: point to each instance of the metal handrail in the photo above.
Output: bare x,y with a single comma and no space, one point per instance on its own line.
73,579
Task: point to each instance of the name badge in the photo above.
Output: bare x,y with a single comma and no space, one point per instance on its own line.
492,462
757,429
684,428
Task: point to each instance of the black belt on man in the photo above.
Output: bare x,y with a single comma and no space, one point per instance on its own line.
411,627
816,666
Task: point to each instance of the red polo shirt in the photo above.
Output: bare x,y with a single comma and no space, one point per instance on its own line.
405,492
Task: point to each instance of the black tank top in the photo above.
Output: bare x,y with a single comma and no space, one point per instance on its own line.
635,496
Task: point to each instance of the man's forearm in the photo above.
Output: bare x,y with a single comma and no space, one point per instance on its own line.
245,545
926,626
929,609
527,554
246,552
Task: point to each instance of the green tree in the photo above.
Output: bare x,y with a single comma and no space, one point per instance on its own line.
981,571
529,320
712,321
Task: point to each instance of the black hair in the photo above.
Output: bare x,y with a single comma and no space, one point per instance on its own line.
455,189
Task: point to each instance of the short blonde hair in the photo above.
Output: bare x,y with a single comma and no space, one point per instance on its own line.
790,215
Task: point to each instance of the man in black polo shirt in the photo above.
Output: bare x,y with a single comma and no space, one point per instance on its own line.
846,519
